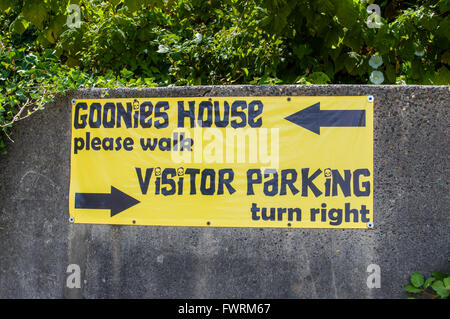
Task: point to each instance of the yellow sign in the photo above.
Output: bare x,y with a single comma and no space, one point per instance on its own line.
300,162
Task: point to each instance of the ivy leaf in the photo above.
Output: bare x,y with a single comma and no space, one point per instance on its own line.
326,5
428,282
346,12
5,5
444,6
413,289
19,25
115,2
439,287
133,5
437,284
417,279
438,275
443,28
445,58
55,28
318,78
442,77
447,283
390,73
301,50
126,73
34,11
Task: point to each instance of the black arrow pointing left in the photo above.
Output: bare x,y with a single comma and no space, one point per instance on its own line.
116,201
313,118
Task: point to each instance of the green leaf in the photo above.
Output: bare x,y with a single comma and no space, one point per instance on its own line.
417,279
34,11
301,50
438,275
115,2
442,76
438,284
443,293
412,289
133,5
5,5
446,282
444,6
443,28
428,282
318,78
390,73
346,12
126,73
19,25
445,58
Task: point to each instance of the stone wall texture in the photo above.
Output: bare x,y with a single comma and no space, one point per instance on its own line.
411,207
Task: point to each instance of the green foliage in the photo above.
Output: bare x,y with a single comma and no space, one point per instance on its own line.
30,78
435,286
413,39
196,42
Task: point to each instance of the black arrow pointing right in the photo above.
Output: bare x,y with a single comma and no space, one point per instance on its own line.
116,201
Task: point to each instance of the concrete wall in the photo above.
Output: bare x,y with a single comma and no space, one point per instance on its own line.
412,218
